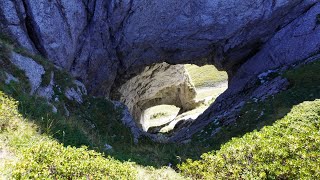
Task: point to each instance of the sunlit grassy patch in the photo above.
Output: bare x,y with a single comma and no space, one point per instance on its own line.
289,149
205,76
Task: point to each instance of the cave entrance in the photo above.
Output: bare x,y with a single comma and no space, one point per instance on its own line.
164,97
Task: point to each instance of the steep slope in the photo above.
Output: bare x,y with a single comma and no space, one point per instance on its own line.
298,129
289,149
37,128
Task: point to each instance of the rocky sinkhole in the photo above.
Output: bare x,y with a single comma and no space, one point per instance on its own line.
163,98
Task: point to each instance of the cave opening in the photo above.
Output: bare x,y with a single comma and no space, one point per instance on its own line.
163,98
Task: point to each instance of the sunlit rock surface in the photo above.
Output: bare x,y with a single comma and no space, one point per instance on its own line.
158,84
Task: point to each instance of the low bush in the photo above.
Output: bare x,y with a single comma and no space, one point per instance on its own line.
51,160
289,149
41,157
8,111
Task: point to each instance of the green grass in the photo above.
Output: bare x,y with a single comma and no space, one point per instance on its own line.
213,93
289,149
41,157
304,86
37,151
158,115
205,76
61,77
94,123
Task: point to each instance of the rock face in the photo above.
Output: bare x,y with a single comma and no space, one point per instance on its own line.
33,70
223,32
99,41
158,84
72,34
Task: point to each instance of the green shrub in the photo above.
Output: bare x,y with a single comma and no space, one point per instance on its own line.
51,160
8,111
41,157
158,115
290,149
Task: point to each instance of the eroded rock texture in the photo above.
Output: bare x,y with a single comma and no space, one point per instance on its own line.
72,34
158,84
99,41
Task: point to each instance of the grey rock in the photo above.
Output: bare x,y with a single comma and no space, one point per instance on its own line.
47,92
270,88
12,21
54,109
33,70
158,84
108,147
128,121
223,32
104,42
96,61
81,87
96,39
215,131
76,93
10,78
56,27
296,42
67,112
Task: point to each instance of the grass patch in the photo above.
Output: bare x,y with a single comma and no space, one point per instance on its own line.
205,76
304,86
7,46
289,149
158,115
41,157
7,66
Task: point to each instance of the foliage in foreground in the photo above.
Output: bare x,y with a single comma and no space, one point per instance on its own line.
289,149
43,158
52,160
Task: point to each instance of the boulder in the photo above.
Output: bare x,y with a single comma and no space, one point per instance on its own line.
32,69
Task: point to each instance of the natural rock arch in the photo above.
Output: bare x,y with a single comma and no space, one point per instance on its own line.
155,85
100,41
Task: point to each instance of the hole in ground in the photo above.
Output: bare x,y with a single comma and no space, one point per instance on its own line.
164,98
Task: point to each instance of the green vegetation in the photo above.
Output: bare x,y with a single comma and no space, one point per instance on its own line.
93,123
158,115
205,76
304,86
7,46
40,157
50,160
255,115
266,147
289,149
6,65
